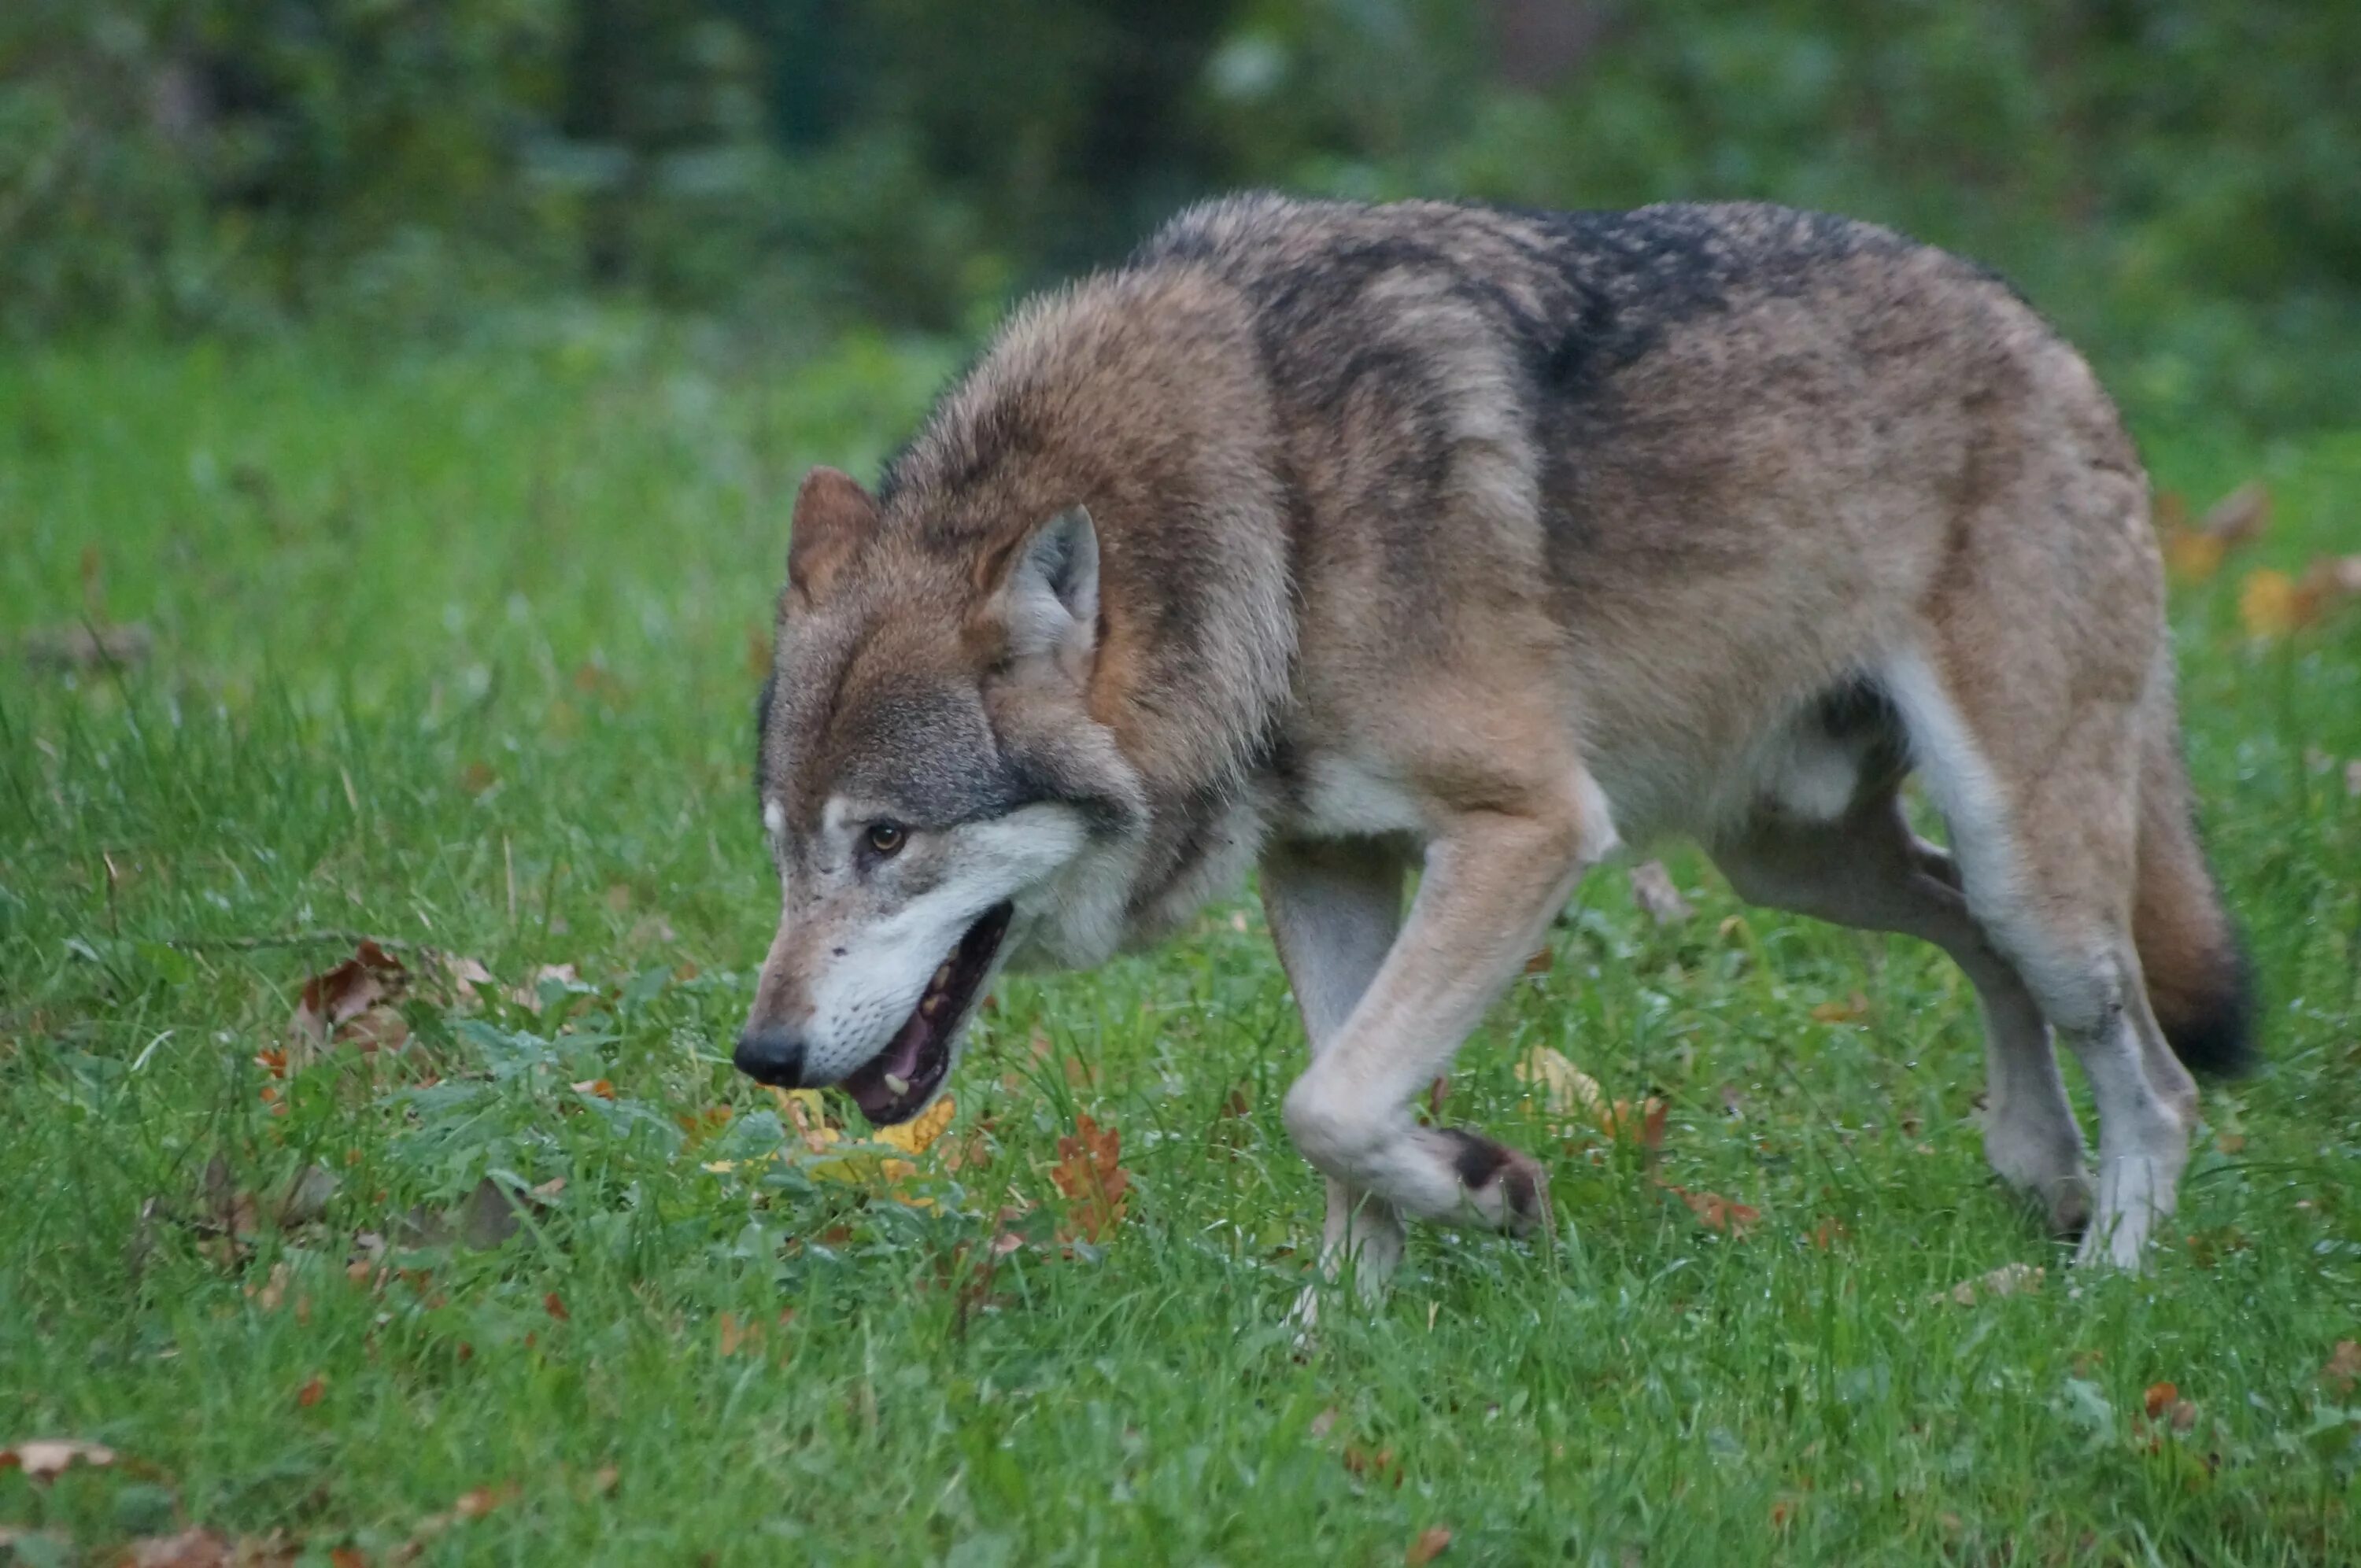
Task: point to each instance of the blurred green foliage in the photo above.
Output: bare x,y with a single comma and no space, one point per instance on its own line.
2177,181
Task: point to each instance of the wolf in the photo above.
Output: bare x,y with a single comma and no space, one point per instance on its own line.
1342,542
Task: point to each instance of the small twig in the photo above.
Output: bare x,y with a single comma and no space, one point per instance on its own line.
291,939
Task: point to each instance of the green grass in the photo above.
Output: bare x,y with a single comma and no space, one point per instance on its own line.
452,646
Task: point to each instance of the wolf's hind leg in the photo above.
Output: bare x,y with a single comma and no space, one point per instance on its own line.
1867,870
2042,795
1492,881
1335,909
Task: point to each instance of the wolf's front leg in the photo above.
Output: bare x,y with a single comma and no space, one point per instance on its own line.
1335,909
1493,879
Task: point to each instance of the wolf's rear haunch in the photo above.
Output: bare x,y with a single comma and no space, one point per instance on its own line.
1335,541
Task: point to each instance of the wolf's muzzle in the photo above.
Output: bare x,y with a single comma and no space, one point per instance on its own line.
770,1055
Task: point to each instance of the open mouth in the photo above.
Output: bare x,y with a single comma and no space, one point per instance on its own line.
904,1076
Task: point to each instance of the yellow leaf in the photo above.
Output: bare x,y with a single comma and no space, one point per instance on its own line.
913,1136
1567,1091
806,1112
2191,557
2268,604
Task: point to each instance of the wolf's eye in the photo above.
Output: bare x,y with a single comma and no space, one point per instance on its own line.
885,837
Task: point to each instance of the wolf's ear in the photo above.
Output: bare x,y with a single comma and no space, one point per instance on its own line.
1053,593
833,515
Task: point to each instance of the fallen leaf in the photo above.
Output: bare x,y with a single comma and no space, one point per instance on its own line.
1850,1011
2158,1398
806,1112
603,1480
74,648
735,1335
1542,961
2269,606
1567,1092
2240,516
272,1292
913,1136
476,1503
2008,1279
1089,1173
2344,1368
597,1086
528,995
47,1458
312,1393
1432,1542
554,1305
195,1548
347,1557
1645,1126
1653,891
1717,1213
1380,1466
371,979
1324,1422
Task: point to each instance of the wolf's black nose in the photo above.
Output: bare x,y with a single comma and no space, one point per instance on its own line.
770,1055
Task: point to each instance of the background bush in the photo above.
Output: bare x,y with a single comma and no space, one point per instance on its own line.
2177,181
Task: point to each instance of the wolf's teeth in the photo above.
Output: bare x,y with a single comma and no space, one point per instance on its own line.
942,976
931,1005
897,1085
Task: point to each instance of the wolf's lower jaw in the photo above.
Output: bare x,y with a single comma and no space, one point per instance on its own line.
896,1083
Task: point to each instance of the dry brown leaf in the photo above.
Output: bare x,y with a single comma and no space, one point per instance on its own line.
372,978
1431,1543
193,1548
2158,1398
312,1392
554,1305
2344,1368
1645,1126
347,1557
47,1458
2240,516
1653,891
735,1335
1089,1173
2193,552
476,1503
272,1292
1725,1215
597,1086
806,1112
1542,961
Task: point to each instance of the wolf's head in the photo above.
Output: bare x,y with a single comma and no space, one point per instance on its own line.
930,779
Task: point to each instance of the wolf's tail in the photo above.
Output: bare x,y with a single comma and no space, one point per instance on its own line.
2199,981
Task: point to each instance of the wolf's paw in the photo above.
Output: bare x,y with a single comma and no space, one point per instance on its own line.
1506,1189
2067,1207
